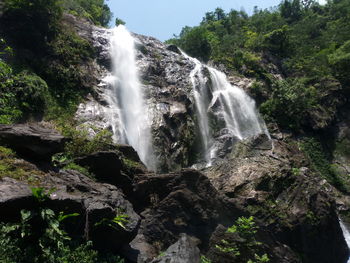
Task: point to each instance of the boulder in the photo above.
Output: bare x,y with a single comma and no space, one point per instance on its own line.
32,141
184,250
14,196
113,167
97,204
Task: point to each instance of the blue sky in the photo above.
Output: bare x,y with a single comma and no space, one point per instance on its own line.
163,18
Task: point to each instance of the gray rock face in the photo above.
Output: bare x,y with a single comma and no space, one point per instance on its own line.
275,186
165,78
183,251
32,140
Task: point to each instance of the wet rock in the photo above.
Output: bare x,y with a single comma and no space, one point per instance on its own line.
32,140
183,251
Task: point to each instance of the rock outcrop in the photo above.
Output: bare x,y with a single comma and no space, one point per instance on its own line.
32,140
73,192
183,251
290,200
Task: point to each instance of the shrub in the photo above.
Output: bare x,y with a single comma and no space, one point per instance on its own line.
82,144
17,169
22,95
36,21
289,104
246,246
321,164
39,237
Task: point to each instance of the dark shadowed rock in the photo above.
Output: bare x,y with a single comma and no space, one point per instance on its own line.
32,140
106,166
128,152
171,204
14,196
184,250
174,49
113,167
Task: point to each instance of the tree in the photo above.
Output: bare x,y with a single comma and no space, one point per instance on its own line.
31,23
118,22
291,10
194,41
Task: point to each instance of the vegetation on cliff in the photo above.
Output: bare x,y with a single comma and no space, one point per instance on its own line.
308,42
42,58
299,55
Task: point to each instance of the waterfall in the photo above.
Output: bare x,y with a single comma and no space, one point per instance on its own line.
231,104
201,103
346,235
238,109
128,113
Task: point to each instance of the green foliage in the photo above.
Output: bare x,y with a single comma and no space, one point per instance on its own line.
40,194
39,237
118,22
13,168
63,72
95,10
80,169
340,61
82,144
53,51
121,219
296,171
289,103
195,42
37,21
205,260
276,41
259,259
321,164
245,226
22,95
241,250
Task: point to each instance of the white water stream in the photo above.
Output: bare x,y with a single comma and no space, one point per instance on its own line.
237,108
128,111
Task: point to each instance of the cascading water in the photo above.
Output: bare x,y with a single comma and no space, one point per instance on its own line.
236,107
346,235
127,108
201,102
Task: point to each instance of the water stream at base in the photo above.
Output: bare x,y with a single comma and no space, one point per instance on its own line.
346,234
